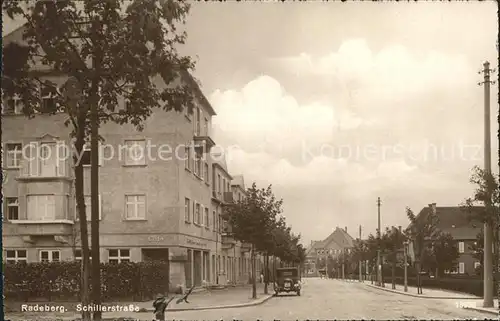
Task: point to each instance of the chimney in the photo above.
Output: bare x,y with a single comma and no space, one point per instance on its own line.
399,228
345,229
432,206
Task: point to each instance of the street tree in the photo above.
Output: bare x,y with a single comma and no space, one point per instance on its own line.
443,252
115,50
484,206
392,244
422,228
477,250
251,221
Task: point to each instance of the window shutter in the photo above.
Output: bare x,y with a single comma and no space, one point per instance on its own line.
100,207
202,219
62,158
194,212
34,169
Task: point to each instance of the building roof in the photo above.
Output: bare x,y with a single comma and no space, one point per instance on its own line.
219,160
316,245
238,181
456,220
339,239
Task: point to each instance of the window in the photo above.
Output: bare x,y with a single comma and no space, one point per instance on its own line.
12,105
50,256
196,165
198,118
135,152
15,256
218,182
78,254
118,255
206,221
205,127
224,185
461,268
12,208
197,214
48,159
461,247
187,163
206,172
41,207
48,95
477,264
187,113
214,220
86,158
88,208
135,207
14,155
187,207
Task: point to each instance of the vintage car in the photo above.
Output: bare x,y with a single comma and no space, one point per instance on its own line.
287,280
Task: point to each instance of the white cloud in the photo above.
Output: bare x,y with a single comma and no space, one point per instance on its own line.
392,71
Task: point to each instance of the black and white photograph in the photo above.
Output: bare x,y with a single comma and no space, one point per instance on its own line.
250,160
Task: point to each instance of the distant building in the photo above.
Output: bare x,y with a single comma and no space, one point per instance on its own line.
337,242
456,221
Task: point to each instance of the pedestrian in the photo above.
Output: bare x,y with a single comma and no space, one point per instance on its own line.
160,305
261,277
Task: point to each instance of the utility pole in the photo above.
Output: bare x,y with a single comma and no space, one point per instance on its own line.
379,263
405,244
360,261
326,263
488,228
343,264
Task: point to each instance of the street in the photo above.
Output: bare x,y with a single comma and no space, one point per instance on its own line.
335,299
320,299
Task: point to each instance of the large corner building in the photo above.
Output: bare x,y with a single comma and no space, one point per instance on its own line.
152,206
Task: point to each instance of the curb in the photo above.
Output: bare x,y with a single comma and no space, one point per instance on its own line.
423,296
483,310
229,306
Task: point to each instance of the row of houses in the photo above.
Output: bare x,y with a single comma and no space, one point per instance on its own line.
152,206
451,219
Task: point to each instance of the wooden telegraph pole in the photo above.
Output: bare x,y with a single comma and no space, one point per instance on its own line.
488,228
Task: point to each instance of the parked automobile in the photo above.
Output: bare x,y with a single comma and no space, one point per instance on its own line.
287,280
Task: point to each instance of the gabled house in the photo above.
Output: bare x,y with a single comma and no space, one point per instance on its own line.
459,224
334,245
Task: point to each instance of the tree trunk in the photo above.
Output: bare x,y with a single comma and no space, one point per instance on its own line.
254,278
417,267
394,274
94,179
80,204
266,273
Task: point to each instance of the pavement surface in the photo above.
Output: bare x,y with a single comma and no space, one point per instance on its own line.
427,293
320,299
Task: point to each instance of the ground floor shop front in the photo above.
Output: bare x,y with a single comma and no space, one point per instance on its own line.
192,261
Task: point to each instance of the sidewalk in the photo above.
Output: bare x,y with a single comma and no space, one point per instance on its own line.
477,305
470,302
427,293
231,297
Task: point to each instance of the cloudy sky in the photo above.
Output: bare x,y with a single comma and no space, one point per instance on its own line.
336,104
